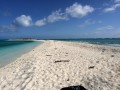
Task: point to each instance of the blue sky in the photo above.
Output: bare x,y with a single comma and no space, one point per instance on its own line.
52,19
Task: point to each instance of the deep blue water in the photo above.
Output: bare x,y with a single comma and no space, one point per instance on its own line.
10,50
100,41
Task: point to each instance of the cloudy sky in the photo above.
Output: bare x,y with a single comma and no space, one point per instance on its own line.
51,19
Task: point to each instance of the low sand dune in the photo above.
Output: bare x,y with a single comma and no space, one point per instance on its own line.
57,64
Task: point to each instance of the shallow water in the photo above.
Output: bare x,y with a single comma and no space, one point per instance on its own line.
10,50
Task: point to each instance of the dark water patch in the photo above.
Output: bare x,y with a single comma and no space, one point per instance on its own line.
11,43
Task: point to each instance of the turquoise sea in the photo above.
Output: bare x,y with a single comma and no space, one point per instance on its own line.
115,42
10,50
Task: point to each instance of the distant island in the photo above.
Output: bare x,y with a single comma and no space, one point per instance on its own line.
22,39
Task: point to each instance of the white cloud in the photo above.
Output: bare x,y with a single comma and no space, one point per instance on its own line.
23,21
56,16
89,22
117,1
112,8
107,32
78,11
6,28
41,22
108,27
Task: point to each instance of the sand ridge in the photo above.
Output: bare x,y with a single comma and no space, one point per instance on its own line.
57,64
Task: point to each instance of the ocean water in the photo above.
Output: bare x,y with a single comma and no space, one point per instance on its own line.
115,42
10,50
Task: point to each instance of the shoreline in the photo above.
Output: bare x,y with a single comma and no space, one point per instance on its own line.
97,44
10,54
53,65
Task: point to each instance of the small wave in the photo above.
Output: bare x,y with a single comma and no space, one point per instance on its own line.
114,45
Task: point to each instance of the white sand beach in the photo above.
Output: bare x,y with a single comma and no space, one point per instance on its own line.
57,64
